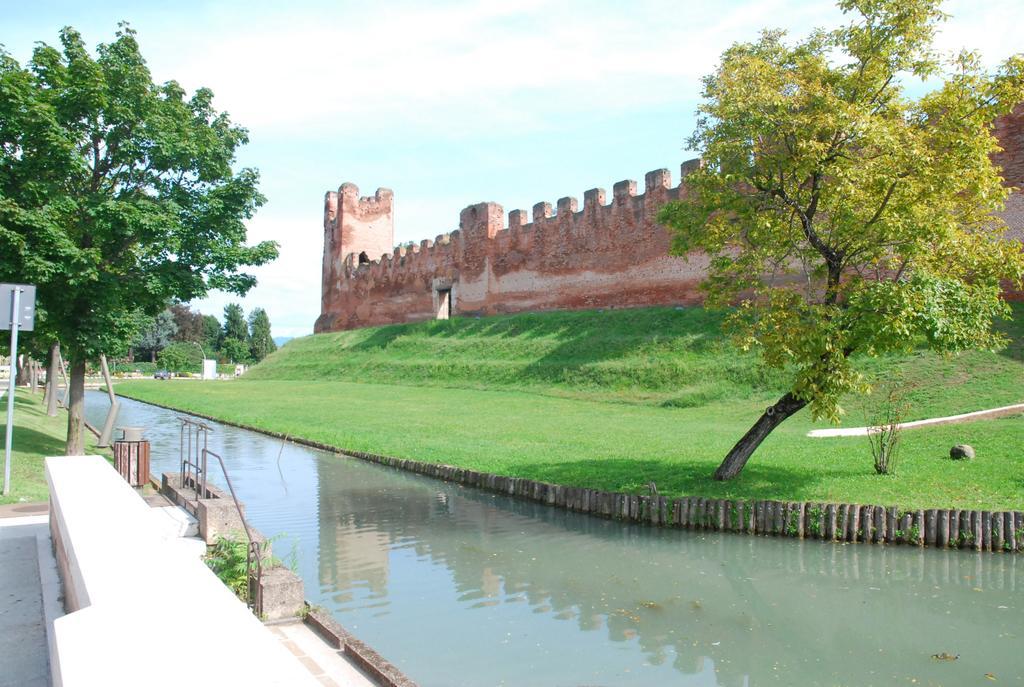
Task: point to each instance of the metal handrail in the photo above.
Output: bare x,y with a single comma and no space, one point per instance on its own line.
193,463
193,469
254,554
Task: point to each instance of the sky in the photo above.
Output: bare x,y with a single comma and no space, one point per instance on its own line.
446,103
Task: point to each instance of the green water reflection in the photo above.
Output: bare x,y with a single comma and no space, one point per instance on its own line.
617,604
462,587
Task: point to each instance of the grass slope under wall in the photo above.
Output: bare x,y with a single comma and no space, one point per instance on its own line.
657,356
582,399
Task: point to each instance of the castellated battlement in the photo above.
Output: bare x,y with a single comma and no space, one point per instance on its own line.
487,221
609,253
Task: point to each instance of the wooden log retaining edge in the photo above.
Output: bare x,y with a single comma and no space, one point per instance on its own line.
1001,531
981,530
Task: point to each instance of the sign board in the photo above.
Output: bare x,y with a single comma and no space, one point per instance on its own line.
27,306
17,313
209,369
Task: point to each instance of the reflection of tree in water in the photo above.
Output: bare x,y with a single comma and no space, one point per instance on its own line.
775,606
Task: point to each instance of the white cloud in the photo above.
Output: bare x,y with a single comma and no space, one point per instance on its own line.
288,288
464,67
991,28
352,85
457,71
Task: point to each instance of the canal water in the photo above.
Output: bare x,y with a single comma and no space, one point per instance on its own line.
462,587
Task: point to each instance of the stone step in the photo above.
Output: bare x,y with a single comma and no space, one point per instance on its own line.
175,522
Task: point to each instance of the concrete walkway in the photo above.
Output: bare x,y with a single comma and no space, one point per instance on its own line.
328,665
29,599
948,420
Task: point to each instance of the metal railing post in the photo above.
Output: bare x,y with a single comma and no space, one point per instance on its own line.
254,555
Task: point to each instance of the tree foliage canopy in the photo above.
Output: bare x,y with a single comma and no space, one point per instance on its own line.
211,334
117,194
160,332
261,342
234,323
844,216
181,356
189,323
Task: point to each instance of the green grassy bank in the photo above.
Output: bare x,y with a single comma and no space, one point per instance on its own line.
613,401
36,435
652,356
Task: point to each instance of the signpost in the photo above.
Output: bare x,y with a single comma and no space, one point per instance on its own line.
20,316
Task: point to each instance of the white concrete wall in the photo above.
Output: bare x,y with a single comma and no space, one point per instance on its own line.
149,611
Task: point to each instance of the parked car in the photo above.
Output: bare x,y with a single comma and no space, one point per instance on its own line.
161,374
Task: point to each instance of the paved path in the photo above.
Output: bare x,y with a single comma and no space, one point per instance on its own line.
20,510
29,601
328,665
948,420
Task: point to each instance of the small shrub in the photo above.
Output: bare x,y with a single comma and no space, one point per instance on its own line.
227,558
884,417
181,357
814,525
793,528
145,368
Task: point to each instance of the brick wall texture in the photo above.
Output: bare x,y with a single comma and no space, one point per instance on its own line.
609,253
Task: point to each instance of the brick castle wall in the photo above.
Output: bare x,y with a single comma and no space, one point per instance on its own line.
610,253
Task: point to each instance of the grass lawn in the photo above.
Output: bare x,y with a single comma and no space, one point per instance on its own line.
649,356
613,400
615,446
36,435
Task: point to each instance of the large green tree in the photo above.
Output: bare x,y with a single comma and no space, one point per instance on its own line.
212,335
261,342
844,216
234,323
157,334
117,195
234,343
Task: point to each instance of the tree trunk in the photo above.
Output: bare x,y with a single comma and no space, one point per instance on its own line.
33,376
76,410
52,373
152,355
745,447
21,365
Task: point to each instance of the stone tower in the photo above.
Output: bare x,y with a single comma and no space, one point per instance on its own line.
361,227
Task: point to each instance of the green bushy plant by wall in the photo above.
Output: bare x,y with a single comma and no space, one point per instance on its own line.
181,357
227,558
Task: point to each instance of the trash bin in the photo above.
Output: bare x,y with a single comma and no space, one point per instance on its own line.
131,456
